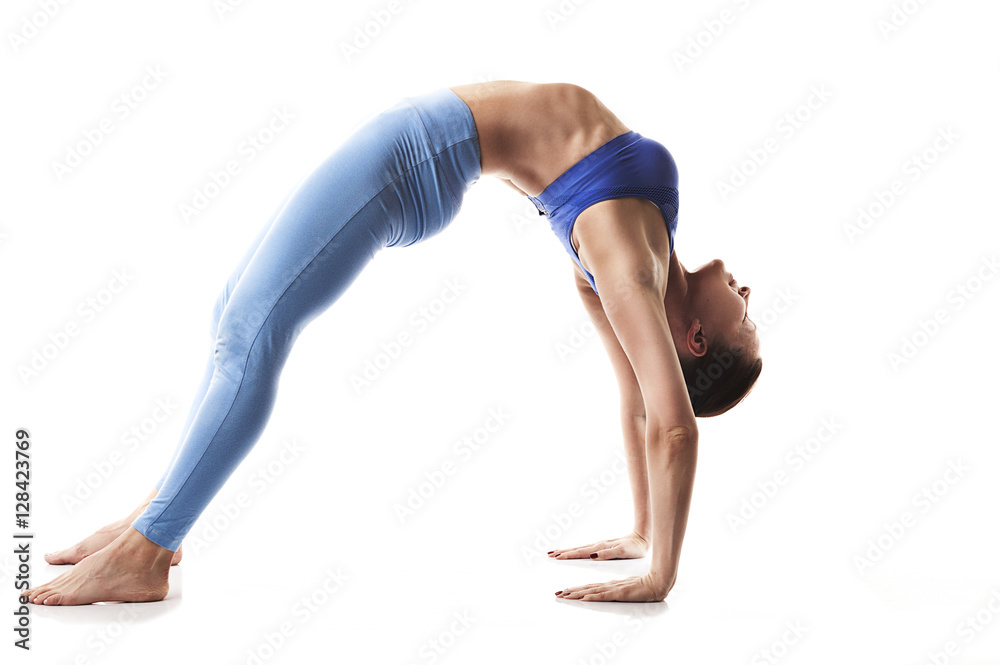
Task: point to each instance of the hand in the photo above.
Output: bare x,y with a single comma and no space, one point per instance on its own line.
645,589
632,546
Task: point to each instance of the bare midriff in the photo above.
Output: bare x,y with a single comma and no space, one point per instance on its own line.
531,133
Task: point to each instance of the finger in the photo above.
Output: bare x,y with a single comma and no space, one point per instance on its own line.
566,592
572,549
568,554
627,593
615,583
580,552
635,592
577,594
582,587
615,552
597,586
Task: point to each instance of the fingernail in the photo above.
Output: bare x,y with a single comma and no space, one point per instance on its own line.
594,555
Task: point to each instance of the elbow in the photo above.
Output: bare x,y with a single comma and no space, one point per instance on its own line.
672,433
679,435
674,441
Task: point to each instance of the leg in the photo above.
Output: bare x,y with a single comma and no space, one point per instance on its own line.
100,538
393,182
282,290
307,260
220,306
109,532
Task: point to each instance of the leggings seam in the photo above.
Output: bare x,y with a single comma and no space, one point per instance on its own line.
430,140
246,361
264,322
433,157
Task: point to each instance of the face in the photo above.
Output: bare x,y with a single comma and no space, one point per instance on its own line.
720,304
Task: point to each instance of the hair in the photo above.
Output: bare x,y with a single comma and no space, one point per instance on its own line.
719,380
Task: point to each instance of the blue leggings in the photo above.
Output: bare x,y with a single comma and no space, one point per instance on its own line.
398,180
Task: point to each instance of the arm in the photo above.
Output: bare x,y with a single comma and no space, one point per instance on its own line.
632,285
513,186
633,422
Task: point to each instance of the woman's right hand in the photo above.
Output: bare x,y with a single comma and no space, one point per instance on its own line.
632,546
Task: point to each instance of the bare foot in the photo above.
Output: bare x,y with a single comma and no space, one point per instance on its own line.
95,542
131,568
102,537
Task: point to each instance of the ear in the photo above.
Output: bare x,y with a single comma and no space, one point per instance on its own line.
696,342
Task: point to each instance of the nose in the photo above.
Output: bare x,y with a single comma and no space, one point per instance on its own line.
745,291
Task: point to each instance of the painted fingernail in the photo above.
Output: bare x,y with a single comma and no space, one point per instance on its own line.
594,555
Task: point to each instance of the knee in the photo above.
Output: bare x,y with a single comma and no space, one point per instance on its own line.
233,337
217,309
230,353
249,336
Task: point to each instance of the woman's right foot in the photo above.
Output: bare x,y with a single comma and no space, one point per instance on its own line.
95,542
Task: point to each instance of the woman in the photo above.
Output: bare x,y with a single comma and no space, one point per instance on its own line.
680,342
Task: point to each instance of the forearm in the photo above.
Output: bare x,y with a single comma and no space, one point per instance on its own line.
634,437
671,458
632,408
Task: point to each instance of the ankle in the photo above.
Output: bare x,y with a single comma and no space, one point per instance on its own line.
115,528
138,547
142,506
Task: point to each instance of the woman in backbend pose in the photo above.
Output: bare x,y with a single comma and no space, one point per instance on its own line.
680,341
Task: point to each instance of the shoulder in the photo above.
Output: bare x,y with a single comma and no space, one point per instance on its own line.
628,233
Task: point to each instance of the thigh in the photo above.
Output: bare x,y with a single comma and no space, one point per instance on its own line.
234,276
307,259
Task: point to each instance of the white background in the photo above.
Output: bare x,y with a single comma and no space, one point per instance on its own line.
832,309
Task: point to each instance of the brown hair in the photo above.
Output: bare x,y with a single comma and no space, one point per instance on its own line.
719,380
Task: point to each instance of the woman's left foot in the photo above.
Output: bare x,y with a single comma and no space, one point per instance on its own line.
131,568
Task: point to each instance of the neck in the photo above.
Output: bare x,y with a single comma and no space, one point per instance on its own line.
675,302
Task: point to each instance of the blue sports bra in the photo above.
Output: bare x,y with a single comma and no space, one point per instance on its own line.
627,165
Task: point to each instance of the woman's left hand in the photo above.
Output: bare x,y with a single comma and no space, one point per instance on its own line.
648,588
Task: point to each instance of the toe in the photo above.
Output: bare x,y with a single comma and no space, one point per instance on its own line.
58,557
42,597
